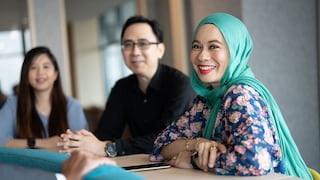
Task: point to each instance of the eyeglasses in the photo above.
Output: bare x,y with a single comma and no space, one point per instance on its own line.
128,45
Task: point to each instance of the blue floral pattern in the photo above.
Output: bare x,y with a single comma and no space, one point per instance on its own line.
242,125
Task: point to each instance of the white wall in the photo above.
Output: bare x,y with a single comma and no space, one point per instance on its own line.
285,59
88,64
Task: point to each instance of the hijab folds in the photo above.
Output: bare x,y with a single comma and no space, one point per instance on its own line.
240,47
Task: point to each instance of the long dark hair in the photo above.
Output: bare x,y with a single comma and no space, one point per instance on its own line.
28,121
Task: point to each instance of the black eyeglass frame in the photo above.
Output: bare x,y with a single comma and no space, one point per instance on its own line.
142,45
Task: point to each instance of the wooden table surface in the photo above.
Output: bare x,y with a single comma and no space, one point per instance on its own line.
185,174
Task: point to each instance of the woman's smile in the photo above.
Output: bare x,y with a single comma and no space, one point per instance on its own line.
205,69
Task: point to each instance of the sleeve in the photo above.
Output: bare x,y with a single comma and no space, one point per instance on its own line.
76,117
60,176
8,120
189,125
107,128
249,136
141,144
179,100
112,125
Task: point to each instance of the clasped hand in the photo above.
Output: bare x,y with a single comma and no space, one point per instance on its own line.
80,140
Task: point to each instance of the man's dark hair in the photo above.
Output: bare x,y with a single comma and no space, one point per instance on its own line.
155,26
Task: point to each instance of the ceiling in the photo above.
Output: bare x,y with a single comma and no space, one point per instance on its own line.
14,12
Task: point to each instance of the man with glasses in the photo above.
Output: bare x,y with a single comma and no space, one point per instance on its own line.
146,101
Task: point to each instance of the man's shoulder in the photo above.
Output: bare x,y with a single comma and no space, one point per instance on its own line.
172,72
126,80
165,67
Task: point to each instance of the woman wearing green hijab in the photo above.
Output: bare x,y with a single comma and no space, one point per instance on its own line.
234,126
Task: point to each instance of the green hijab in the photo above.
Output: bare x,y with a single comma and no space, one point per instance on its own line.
240,46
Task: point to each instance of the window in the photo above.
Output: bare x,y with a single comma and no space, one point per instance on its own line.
11,58
111,26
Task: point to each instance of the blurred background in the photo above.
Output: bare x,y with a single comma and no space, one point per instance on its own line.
84,35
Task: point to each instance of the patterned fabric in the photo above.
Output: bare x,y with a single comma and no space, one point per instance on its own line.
238,71
242,125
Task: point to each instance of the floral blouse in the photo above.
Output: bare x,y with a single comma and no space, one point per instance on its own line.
242,125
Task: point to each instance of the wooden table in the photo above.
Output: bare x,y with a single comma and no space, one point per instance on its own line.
185,174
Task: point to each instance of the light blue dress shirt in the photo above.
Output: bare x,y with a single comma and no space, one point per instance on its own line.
8,118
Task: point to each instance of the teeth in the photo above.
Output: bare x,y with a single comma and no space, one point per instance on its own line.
40,80
206,67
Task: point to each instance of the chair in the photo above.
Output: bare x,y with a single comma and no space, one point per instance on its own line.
93,115
315,174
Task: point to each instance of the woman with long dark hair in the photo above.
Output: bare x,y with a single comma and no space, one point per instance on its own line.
41,111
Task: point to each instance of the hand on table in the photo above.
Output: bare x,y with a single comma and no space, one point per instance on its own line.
182,160
207,152
207,155
81,140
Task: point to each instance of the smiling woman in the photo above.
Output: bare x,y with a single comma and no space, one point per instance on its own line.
41,112
234,126
210,57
